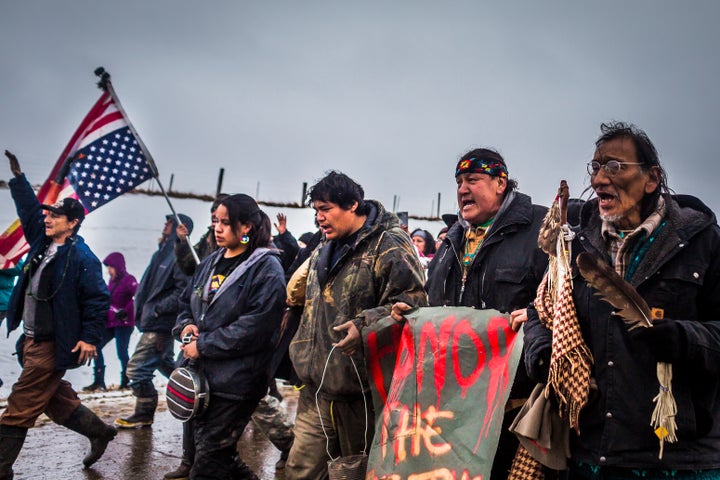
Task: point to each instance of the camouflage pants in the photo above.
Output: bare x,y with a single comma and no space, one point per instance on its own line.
272,421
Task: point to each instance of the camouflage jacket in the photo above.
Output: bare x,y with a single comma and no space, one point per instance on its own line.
379,269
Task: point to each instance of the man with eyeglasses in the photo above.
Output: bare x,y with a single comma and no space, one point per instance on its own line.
668,248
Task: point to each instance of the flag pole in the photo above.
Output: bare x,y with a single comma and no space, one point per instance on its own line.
106,85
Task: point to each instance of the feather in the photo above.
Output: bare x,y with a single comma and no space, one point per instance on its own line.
612,288
554,219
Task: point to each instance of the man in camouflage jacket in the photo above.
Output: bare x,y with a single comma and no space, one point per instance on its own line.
366,264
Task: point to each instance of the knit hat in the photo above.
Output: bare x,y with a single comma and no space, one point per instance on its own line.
184,219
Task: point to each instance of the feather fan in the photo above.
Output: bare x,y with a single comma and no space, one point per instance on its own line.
612,288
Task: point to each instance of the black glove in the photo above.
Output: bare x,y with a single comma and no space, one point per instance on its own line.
121,315
665,339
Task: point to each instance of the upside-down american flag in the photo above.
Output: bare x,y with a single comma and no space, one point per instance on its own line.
102,161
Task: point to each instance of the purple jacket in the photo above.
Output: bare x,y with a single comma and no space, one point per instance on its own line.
122,289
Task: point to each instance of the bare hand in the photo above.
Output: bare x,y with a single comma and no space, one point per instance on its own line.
190,329
14,164
517,318
190,350
398,311
182,232
87,352
351,342
281,226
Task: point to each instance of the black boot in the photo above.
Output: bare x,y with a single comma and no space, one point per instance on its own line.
99,384
124,381
85,422
11,442
144,413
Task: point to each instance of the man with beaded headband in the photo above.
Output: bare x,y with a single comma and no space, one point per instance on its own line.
490,259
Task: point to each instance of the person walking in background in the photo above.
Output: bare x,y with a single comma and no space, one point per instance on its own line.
285,242
425,246
62,301
120,321
204,247
367,264
233,312
7,283
8,277
156,309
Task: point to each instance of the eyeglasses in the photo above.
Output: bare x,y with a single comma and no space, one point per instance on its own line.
612,167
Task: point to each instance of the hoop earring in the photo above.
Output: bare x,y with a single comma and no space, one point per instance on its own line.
244,239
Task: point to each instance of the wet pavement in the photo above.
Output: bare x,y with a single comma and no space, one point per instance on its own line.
54,452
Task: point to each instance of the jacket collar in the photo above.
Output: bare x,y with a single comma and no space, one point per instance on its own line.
241,269
378,220
515,210
685,217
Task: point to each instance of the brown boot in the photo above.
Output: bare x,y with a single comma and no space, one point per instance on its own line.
182,472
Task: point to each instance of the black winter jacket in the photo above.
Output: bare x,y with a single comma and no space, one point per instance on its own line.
680,274
79,309
240,326
157,296
377,270
505,273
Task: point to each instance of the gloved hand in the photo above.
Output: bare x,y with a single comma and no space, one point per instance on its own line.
665,339
121,315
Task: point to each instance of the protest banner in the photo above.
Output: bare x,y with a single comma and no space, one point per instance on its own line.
439,382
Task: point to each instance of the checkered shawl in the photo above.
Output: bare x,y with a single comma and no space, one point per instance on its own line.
570,360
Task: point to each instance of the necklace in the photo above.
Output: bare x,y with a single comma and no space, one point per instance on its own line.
473,241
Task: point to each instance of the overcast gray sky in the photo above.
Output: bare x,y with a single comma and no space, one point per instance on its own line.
391,93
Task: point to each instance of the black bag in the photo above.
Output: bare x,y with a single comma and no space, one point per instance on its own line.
187,393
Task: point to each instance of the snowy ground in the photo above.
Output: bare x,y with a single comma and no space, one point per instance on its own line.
131,225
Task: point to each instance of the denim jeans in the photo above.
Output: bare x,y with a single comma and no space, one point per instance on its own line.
154,351
122,341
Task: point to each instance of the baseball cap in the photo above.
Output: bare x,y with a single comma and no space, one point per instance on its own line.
70,207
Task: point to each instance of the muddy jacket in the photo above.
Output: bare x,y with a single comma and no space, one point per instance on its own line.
80,298
680,273
379,269
505,273
240,326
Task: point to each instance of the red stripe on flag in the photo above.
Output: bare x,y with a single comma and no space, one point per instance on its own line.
104,120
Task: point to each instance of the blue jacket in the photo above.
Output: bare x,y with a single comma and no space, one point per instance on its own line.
156,299
240,326
80,306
